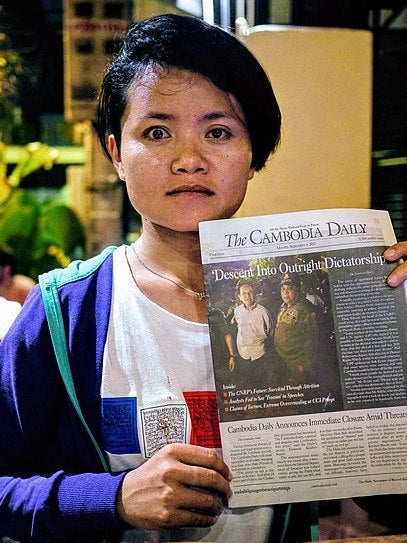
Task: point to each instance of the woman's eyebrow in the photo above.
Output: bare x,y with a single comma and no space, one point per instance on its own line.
210,116
159,116
218,115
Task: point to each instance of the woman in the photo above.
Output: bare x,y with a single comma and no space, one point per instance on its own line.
185,135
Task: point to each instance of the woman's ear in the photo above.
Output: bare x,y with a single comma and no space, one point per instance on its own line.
115,154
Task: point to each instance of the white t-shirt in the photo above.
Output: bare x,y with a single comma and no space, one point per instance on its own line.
158,388
8,312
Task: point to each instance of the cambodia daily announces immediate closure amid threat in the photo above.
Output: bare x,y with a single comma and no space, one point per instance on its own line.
312,404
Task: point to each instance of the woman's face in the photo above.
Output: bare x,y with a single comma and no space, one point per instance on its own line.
185,151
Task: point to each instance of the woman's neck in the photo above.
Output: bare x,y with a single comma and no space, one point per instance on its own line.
178,253
168,269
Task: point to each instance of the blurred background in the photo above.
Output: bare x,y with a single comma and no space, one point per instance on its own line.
337,66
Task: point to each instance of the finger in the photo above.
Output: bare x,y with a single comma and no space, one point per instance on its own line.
186,517
195,456
393,253
398,275
201,501
180,507
396,251
208,479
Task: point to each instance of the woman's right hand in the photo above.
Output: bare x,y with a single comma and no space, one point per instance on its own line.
181,485
396,252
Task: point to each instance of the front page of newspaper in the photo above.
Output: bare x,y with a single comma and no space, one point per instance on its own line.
312,404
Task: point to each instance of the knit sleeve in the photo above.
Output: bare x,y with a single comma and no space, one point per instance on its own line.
51,485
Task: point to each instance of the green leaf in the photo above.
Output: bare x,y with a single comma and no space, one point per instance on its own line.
18,227
43,236
42,263
39,155
19,215
59,225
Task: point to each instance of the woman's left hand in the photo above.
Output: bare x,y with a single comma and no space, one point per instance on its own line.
393,253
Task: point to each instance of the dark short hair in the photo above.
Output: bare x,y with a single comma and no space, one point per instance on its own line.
291,279
188,43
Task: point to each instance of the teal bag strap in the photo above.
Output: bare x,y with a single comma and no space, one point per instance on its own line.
57,330
286,522
314,521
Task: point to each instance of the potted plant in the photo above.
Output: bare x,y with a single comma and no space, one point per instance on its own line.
44,235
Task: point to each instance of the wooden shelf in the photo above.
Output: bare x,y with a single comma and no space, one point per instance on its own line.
68,155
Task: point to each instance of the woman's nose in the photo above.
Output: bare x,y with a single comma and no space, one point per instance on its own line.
189,159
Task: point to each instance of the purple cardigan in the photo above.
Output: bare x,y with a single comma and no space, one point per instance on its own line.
52,484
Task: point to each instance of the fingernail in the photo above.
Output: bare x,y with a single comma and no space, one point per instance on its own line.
390,253
392,280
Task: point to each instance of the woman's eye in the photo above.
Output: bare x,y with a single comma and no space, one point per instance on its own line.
218,133
157,133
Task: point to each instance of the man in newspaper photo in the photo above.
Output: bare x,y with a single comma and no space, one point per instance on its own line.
253,328
296,332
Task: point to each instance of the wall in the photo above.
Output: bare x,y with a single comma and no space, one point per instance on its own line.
322,78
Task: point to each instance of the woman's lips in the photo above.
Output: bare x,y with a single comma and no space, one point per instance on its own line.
182,189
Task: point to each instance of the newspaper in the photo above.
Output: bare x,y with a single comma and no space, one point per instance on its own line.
313,404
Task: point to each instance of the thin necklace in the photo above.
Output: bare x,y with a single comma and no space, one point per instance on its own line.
198,294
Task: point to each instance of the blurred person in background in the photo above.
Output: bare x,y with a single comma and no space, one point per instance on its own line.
13,286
